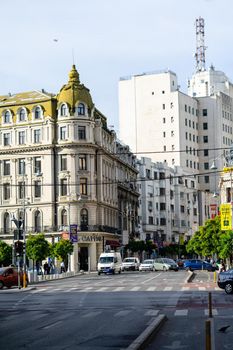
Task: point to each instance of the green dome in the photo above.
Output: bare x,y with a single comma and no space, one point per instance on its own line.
73,92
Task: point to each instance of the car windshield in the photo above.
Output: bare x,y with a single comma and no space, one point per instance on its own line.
169,261
106,259
129,260
147,261
2,270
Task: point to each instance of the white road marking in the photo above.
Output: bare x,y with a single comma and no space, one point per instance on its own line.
202,288
167,288
151,313
52,325
214,312
122,313
102,289
118,289
134,289
185,288
181,312
92,314
150,279
151,289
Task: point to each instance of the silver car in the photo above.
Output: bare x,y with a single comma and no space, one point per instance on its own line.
147,265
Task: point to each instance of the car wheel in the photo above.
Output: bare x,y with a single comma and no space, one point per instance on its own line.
228,288
1,284
164,268
119,271
98,273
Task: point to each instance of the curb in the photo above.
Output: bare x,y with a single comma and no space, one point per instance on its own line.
142,340
15,290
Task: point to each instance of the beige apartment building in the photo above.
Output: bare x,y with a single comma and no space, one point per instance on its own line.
61,166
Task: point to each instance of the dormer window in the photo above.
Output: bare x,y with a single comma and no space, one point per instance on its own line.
22,115
81,109
37,113
63,110
7,117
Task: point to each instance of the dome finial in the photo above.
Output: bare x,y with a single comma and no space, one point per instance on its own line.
73,75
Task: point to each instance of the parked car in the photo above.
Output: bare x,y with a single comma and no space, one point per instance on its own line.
130,263
197,264
9,277
147,265
165,264
225,281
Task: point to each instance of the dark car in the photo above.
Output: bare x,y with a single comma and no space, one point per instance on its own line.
197,264
9,277
225,281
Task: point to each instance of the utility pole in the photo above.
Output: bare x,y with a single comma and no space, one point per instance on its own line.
20,247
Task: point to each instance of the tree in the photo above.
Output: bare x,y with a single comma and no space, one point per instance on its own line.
61,250
37,248
5,254
226,245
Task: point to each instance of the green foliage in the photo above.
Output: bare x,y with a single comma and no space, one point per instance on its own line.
37,248
5,254
62,249
140,246
226,245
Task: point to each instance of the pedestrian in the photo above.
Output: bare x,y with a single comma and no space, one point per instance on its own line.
222,266
46,266
63,267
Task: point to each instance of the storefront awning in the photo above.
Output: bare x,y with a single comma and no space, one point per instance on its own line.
112,243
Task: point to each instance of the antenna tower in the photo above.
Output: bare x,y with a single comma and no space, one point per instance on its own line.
200,44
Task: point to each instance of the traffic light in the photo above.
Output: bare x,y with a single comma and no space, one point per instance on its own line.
19,247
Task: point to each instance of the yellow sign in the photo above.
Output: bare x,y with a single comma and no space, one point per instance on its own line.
226,217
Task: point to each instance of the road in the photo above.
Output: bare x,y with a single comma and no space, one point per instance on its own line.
106,312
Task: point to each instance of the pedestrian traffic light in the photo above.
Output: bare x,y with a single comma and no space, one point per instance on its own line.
19,247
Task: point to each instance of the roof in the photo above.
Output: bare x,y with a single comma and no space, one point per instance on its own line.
24,98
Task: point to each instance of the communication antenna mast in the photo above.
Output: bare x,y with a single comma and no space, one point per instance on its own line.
200,44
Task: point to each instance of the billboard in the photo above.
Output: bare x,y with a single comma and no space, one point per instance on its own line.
74,233
226,216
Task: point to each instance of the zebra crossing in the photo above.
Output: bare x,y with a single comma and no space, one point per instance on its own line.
96,289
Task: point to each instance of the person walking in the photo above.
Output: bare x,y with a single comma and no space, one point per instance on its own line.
63,267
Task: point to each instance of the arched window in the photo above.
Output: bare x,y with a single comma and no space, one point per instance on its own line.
37,113
37,221
6,223
84,220
81,109
7,117
64,217
22,115
63,110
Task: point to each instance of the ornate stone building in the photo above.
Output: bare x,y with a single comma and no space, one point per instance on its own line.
60,165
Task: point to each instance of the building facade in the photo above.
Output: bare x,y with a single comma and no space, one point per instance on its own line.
60,167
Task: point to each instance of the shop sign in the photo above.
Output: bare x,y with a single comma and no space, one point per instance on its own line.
89,238
226,217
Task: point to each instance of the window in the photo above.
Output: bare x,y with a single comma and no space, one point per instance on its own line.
83,162
63,187
37,113
64,221
22,115
182,208
192,184
84,220
7,117
164,120
81,109
151,220
206,166
37,136
37,221
186,135
6,167
63,110
62,133
6,139
6,223
63,162
205,139
205,126
162,221
21,190
6,191
155,176
163,106
204,112
37,187
82,133
161,176
173,147
162,191
172,133
21,166
206,152
164,148
22,140
83,186
189,123
37,165
164,134
186,122
148,173
189,109
185,108
162,206
206,179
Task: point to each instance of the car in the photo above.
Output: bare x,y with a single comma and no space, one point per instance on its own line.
197,264
147,265
9,277
165,264
109,262
130,263
225,281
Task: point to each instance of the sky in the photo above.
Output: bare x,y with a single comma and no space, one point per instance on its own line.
106,40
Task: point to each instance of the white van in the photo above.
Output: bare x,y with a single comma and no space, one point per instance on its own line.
110,262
